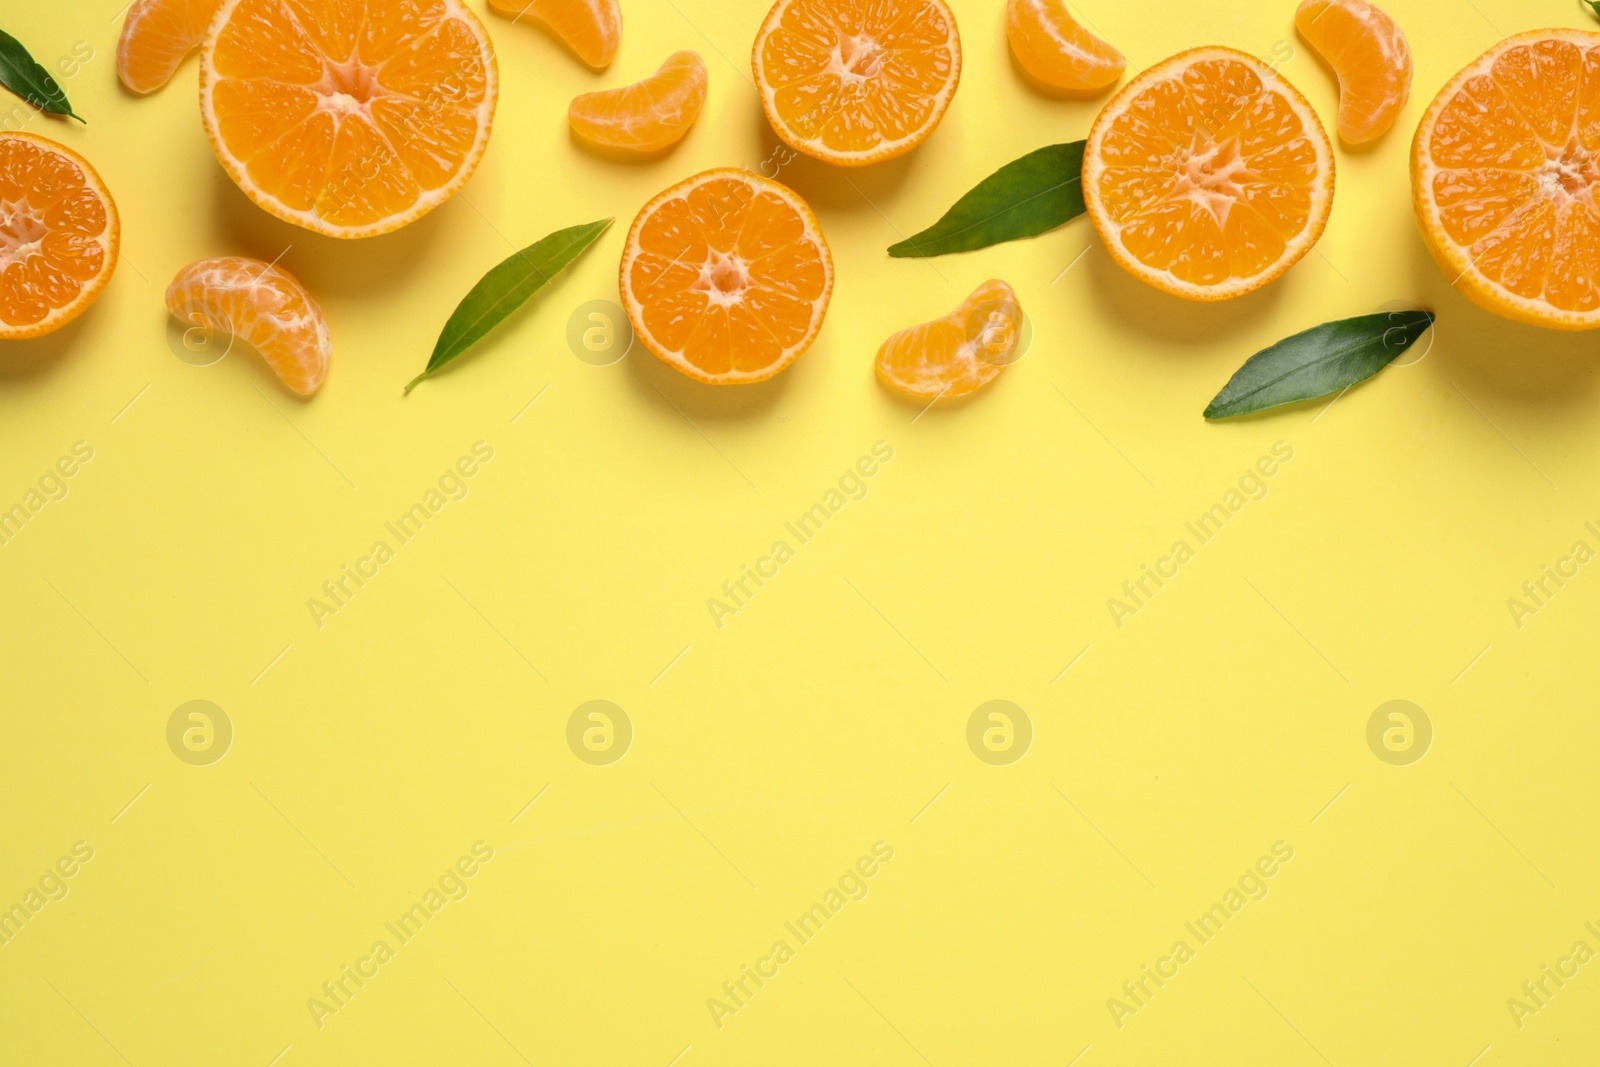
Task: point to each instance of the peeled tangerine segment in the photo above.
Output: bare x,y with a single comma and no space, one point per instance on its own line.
263,305
646,115
1055,49
959,354
1371,57
591,28
156,37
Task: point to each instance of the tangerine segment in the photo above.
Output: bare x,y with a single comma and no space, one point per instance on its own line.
1504,173
263,305
1208,175
726,276
591,28
1055,49
156,37
1371,57
59,236
646,115
959,354
348,117
853,82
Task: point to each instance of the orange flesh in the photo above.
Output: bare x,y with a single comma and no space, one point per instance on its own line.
1208,173
1054,48
854,83
156,36
727,276
591,28
58,236
263,305
959,354
1517,152
351,114
647,115
1371,57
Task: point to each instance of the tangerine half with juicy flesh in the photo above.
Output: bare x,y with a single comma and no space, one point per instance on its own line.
726,276
853,82
1208,175
348,117
59,236
955,356
1505,169
263,305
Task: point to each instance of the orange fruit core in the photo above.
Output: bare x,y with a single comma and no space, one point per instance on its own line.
1505,169
348,117
854,83
726,276
59,235
1208,175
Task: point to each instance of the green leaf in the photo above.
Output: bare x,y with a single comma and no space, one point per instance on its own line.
1024,198
1322,360
1592,5
506,288
23,76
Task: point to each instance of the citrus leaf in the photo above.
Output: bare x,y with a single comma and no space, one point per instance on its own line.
506,288
1024,198
1324,359
1592,5
25,77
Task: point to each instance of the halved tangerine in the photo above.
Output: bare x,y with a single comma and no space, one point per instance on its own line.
726,276
59,235
1505,172
348,117
854,82
1208,175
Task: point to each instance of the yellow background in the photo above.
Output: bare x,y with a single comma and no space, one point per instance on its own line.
770,753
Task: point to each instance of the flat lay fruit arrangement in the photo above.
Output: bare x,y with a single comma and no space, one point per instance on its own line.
1207,175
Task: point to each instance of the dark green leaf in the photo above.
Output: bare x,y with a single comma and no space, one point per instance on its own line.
1322,360
26,78
1592,5
1024,198
506,288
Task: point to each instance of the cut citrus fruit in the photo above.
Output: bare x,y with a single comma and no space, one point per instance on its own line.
156,36
591,28
59,236
1052,47
261,304
1369,54
1208,175
726,276
1504,173
959,354
647,115
853,82
348,117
